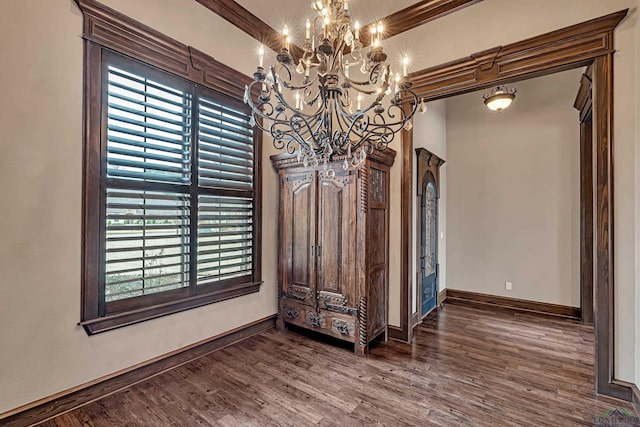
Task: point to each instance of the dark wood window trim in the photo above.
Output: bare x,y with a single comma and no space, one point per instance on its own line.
105,31
589,42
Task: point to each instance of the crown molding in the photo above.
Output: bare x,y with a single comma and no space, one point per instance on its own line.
246,21
416,15
404,20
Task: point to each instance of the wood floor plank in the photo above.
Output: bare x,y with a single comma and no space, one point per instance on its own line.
467,366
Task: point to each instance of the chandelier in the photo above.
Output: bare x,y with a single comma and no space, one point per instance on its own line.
336,102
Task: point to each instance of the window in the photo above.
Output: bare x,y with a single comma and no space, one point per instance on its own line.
178,219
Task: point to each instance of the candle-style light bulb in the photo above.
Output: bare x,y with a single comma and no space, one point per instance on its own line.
397,81
261,56
346,5
297,100
359,105
308,68
346,72
357,28
287,42
405,64
380,29
308,29
374,38
285,36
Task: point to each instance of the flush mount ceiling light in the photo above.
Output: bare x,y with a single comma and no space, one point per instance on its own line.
499,98
348,102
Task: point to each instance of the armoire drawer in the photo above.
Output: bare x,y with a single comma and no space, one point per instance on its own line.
327,322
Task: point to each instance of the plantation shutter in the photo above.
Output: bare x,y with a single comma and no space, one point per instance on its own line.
225,204
174,224
148,173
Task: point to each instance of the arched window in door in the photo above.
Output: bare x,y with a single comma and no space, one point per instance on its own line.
430,227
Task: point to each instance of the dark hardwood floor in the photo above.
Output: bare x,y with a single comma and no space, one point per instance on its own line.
468,366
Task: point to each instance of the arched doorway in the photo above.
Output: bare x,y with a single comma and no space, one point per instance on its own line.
427,231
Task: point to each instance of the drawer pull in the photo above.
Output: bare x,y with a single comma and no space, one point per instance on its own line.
342,327
314,320
342,309
291,313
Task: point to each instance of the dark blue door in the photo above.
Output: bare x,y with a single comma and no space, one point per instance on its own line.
429,251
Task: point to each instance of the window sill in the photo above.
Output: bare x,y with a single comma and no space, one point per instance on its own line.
114,321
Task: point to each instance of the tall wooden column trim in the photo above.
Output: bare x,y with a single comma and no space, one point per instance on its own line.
584,104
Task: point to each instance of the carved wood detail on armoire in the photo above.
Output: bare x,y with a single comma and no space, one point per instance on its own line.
333,248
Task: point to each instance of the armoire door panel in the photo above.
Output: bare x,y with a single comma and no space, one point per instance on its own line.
377,270
336,236
299,238
377,299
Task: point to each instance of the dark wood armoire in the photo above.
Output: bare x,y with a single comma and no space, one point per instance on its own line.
333,248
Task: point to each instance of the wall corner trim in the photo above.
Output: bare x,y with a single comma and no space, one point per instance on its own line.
68,400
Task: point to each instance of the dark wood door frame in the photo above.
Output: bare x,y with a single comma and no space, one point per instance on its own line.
584,104
590,42
428,170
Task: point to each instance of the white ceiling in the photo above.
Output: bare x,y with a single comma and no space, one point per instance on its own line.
293,13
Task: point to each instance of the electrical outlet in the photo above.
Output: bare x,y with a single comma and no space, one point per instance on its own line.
508,286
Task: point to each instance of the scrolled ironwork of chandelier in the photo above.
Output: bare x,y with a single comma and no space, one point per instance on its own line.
337,101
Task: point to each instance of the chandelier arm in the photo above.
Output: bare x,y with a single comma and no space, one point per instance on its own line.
256,109
359,126
380,135
345,100
404,117
337,54
290,108
298,122
338,112
344,114
355,53
284,83
288,130
257,112
276,76
353,83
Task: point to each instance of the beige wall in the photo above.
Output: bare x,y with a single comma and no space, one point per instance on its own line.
467,31
514,193
42,350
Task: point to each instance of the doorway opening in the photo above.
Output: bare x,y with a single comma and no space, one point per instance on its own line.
564,49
